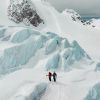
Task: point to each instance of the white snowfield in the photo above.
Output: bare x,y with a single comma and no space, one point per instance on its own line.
96,23
61,45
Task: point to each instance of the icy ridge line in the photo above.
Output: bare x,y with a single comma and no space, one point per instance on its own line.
26,42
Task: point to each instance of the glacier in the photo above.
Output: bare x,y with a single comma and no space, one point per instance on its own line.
26,42
2,32
53,62
21,36
52,44
35,91
94,93
63,43
97,67
19,54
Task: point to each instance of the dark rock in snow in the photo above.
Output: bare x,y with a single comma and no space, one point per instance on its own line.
24,12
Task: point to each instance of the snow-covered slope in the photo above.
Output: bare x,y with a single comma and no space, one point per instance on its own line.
24,44
96,23
28,57
53,20
60,44
63,25
73,15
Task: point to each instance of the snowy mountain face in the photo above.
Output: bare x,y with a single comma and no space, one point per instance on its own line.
23,11
25,43
95,23
23,48
76,17
61,44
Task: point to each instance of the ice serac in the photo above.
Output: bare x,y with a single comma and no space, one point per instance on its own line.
53,62
19,54
30,92
78,52
22,35
52,44
97,66
94,93
73,54
50,35
65,44
67,60
26,42
70,54
2,32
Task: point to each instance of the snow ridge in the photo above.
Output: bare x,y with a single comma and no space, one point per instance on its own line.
26,43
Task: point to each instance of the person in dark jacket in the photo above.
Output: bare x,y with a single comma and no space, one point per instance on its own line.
49,76
54,76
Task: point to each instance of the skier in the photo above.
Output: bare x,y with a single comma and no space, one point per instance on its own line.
49,76
54,76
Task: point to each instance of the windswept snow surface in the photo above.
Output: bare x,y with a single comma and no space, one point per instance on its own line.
30,91
26,56
27,59
62,24
25,43
96,23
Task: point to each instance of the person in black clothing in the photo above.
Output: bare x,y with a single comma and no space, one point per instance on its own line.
49,76
54,76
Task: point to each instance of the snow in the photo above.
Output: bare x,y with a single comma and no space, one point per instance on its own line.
94,93
52,45
2,31
50,35
21,83
61,45
19,54
78,51
96,23
27,58
97,66
73,85
53,62
20,36
34,92
73,15
30,54
65,44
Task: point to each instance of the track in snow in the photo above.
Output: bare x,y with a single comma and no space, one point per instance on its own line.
56,91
